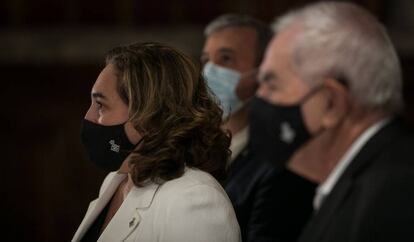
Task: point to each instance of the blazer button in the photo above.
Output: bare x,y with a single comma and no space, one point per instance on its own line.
131,223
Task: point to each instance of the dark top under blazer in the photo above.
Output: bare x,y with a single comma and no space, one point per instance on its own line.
271,204
374,198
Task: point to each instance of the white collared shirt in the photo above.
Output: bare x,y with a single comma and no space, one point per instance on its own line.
325,188
238,142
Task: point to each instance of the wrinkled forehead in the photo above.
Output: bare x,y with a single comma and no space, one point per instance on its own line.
285,40
279,53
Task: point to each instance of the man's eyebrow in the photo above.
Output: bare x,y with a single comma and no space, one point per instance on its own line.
267,76
98,95
226,50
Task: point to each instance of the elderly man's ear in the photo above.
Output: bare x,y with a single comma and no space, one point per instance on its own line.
337,97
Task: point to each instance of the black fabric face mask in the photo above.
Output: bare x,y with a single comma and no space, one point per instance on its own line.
107,146
276,131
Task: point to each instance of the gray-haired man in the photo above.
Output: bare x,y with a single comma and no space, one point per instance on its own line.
331,75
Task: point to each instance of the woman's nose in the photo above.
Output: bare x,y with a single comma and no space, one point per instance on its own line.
90,116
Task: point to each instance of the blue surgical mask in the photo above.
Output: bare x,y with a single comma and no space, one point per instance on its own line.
223,82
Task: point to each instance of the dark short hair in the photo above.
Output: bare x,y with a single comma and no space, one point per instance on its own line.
263,30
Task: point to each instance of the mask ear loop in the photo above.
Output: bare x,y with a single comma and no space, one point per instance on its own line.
133,149
342,81
251,73
138,143
311,93
339,78
305,99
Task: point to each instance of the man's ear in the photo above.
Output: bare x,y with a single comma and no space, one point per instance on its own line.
338,103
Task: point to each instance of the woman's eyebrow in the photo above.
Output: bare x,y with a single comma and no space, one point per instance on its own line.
98,95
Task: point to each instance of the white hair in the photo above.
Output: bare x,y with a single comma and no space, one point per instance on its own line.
343,41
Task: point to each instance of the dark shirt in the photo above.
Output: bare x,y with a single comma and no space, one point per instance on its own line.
271,203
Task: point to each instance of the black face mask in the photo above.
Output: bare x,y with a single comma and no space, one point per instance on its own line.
276,131
107,146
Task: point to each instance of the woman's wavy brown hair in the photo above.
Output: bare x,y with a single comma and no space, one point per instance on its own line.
170,105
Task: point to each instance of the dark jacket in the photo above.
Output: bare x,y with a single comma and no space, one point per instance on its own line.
271,203
374,198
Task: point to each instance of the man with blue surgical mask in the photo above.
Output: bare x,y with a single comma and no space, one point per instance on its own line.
271,203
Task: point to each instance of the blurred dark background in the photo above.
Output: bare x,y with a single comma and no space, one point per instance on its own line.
51,52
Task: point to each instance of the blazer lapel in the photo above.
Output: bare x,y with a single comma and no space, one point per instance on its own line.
129,215
318,224
322,218
236,165
96,206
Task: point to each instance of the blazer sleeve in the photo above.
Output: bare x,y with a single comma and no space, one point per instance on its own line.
200,213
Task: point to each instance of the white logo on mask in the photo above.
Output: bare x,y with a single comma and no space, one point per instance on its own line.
287,134
114,147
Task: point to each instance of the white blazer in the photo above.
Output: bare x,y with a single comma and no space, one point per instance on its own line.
192,208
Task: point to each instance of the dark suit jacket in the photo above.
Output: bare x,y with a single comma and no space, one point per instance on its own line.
374,198
271,204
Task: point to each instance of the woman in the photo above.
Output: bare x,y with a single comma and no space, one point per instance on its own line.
153,122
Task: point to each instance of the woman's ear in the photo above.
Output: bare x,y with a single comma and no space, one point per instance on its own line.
338,103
